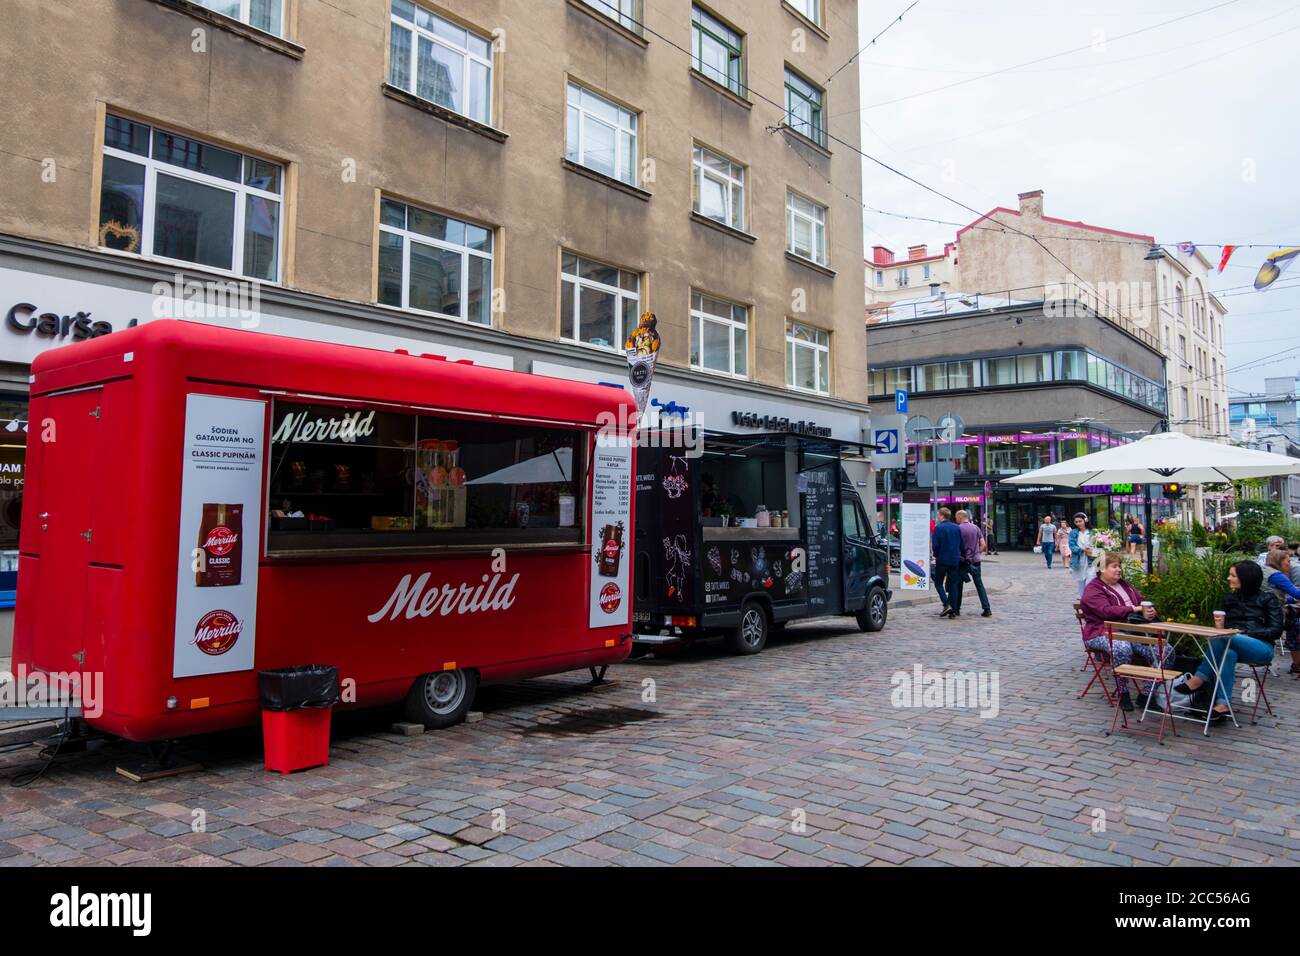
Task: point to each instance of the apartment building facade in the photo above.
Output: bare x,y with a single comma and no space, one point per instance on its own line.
502,181
892,279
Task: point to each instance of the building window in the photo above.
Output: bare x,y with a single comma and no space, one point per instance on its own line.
599,303
925,273
180,199
719,188
1178,301
805,228
719,335
1182,349
807,358
265,15
812,9
880,278
718,51
601,135
904,278
433,263
625,13
805,107
440,62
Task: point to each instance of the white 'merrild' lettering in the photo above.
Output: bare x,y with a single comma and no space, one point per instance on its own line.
134,910
297,427
411,598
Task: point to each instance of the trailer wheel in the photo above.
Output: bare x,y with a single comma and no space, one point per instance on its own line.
873,616
750,635
441,699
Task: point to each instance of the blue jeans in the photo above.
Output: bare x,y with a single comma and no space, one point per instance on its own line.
1048,549
1241,647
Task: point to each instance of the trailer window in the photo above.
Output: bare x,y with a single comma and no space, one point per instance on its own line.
350,478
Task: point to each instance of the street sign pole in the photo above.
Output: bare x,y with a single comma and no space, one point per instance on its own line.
889,482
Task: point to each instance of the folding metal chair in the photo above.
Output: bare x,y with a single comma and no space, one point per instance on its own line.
1098,660
1259,673
1140,672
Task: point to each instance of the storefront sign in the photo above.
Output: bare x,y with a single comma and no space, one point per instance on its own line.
914,542
774,423
610,597
25,318
220,527
1108,489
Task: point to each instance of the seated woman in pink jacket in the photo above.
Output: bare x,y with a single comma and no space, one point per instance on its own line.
1108,597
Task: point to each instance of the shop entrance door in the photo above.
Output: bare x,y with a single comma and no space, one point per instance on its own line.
67,444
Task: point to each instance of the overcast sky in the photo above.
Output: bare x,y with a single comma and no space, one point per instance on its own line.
1188,132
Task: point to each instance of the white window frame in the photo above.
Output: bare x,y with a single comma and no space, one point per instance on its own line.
408,236
626,145
818,224
811,9
699,317
821,355
245,14
625,13
730,184
468,58
241,191
904,278
620,294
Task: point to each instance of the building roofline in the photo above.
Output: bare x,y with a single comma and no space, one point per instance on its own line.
1060,222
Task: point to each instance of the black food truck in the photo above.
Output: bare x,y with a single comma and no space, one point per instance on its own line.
743,533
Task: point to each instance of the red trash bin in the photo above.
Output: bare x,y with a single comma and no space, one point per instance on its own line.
296,705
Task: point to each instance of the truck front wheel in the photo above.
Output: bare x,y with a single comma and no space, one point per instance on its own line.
873,616
441,699
750,635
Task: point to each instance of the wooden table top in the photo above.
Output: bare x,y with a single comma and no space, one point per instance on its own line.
1166,627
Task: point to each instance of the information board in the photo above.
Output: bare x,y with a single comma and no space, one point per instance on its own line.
821,523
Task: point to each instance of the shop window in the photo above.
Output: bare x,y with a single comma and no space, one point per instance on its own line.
1034,368
932,378
13,461
719,335
186,201
718,188
601,135
1071,366
898,378
1000,371
961,374
440,61
351,478
876,381
434,263
599,303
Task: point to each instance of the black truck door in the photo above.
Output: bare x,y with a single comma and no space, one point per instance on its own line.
857,560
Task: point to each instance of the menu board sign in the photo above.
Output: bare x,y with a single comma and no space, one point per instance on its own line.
914,542
220,527
611,532
822,532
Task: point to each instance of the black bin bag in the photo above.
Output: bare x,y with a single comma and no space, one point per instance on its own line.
296,688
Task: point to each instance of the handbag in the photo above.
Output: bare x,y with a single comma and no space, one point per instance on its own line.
1038,549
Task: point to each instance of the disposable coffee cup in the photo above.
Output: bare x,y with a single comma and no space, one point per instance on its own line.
1219,618
1146,604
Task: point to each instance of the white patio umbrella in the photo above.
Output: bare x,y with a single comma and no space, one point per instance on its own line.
1160,459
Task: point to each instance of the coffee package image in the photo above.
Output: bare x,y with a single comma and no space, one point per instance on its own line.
221,535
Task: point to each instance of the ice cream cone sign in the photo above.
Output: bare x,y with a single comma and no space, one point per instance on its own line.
642,350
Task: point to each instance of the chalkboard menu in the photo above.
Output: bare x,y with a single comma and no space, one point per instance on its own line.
820,496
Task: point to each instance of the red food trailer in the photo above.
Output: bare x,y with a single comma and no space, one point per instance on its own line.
204,503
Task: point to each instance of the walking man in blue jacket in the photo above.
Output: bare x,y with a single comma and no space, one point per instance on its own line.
945,542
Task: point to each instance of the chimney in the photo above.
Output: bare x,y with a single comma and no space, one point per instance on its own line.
934,289
881,256
1031,204
916,252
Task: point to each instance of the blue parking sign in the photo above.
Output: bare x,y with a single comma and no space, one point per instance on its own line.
900,401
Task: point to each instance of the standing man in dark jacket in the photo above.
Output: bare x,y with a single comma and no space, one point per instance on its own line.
945,542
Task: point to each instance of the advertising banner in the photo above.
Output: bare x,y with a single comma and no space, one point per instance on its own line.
914,542
221,525
611,532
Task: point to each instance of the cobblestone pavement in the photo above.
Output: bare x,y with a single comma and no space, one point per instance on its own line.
793,757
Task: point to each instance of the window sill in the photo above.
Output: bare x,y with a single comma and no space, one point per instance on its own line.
798,15
722,376
800,139
222,22
718,88
724,228
187,267
444,114
610,181
630,35
807,391
815,266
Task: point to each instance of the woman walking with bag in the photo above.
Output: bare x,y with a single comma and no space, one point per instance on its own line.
1080,542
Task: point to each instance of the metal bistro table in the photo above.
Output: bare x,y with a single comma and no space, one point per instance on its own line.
1202,635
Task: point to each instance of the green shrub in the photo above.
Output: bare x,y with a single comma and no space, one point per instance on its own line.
1256,520
1200,536
1186,588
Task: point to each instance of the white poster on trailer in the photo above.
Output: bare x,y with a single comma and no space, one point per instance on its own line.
611,533
221,525
914,542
